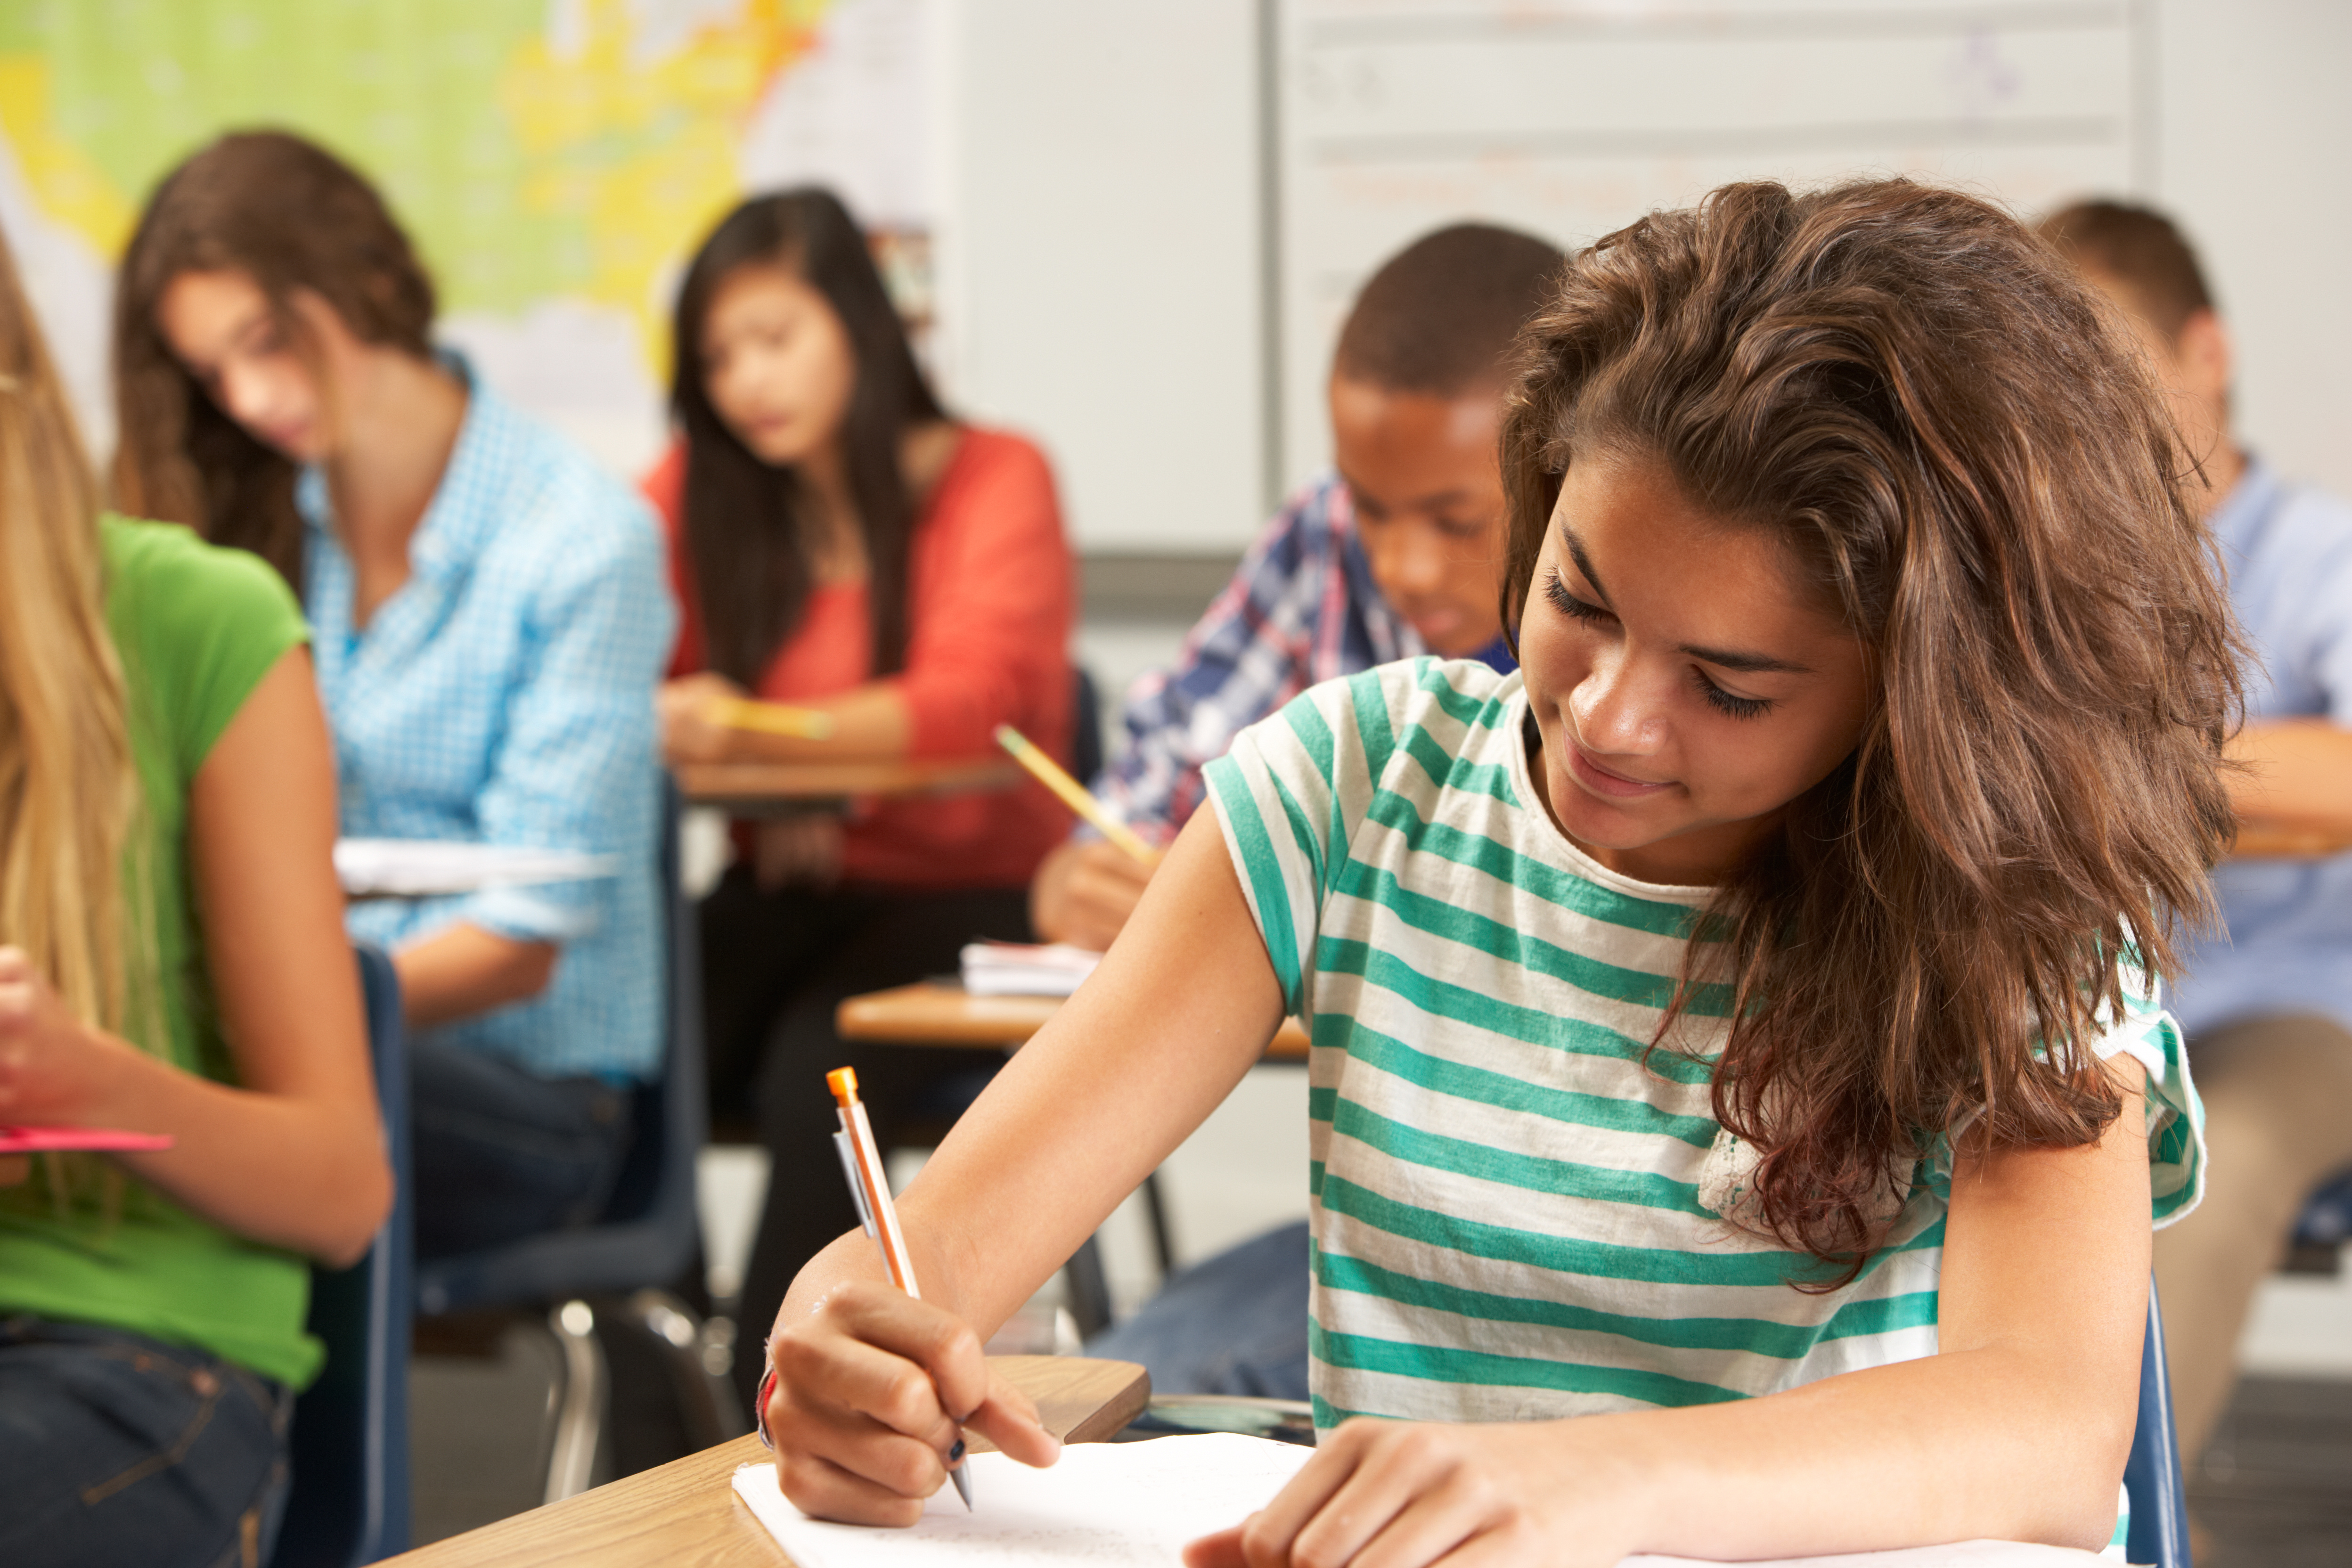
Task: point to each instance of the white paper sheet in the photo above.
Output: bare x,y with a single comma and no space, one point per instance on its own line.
1138,1503
1101,1503
1025,969
423,867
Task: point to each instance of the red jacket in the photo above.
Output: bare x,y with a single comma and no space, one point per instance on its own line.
991,601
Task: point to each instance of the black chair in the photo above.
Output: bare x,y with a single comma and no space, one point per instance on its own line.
2152,1477
348,1503
2326,1223
648,1237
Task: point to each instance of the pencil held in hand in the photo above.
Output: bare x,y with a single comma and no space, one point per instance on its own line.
772,717
1054,777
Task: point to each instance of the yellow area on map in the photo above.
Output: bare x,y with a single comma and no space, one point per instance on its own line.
680,117
66,181
536,151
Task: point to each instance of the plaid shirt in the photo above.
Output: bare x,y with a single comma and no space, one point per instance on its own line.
505,695
1302,608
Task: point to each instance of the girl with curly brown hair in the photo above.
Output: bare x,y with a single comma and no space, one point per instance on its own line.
1741,1095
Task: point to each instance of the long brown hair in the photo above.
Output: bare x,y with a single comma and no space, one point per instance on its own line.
293,217
1959,447
744,535
69,801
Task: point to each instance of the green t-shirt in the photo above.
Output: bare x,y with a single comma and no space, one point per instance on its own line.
197,628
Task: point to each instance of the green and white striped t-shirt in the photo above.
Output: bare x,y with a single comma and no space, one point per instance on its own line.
1510,1210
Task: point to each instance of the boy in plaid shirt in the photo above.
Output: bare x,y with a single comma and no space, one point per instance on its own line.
1395,553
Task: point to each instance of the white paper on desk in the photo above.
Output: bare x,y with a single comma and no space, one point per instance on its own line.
1025,969
423,867
1962,1554
1138,1503
1108,1503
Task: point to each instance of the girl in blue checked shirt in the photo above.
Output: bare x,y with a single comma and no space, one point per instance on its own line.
1740,1098
488,620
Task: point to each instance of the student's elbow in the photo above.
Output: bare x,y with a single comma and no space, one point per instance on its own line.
531,970
350,1229
2081,1462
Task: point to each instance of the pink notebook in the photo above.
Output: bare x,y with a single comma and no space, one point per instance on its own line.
70,1140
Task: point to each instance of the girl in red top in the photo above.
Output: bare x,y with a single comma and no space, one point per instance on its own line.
837,541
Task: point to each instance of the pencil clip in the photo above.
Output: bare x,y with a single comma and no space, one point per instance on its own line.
842,1146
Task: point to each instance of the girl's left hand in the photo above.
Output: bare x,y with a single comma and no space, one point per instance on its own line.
53,1071
1400,1494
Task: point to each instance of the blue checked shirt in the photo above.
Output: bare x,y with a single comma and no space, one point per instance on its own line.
505,695
1301,609
2287,945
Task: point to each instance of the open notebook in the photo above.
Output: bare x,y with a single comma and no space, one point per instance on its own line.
1121,1504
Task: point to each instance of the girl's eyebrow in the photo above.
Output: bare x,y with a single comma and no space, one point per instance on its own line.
1723,658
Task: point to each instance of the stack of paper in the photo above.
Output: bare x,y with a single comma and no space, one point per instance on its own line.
1025,969
425,868
1121,1504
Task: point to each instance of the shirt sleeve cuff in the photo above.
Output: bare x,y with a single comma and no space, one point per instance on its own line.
530,914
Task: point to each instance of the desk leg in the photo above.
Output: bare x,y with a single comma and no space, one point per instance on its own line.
1089,1288
1163,1241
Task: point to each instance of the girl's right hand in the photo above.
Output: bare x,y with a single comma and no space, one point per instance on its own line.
871,1387
52,1070
689,733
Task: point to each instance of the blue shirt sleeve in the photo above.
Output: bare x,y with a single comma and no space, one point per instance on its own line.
580,756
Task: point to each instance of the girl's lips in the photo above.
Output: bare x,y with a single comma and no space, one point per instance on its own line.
1600,781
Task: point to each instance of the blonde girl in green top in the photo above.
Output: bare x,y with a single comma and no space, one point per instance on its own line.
172,961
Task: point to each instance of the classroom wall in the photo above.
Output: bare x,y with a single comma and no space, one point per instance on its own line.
1103,259
1099,253
2255,123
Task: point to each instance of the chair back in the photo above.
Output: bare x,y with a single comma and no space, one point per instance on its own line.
2152,1477
651,1231
348,1503
2327,1218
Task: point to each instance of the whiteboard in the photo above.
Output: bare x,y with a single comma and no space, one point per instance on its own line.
1571,120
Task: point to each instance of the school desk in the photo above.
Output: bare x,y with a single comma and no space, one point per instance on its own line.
773,789
687,1512
932,1014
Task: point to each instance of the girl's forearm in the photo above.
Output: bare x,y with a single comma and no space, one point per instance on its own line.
1998,1443
462,970
270,1167
870,723
2298,771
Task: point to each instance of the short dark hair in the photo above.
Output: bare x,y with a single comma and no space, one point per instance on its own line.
1440,315
2140,249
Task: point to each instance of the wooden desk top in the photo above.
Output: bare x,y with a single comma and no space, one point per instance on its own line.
687,1510
2259,839
749,788
931,1014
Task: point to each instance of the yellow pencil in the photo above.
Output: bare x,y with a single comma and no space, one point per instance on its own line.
1054,777
775,718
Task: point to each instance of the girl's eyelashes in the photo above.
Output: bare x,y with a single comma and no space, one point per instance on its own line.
1723,701
1715,696
1568,603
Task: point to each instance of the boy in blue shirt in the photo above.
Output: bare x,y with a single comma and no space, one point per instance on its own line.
2267,1004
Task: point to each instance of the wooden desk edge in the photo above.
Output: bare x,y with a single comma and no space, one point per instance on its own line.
925,1014
687,1510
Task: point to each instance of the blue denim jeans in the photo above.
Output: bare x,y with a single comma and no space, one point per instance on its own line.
1231,1325
116,1449
501,1154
